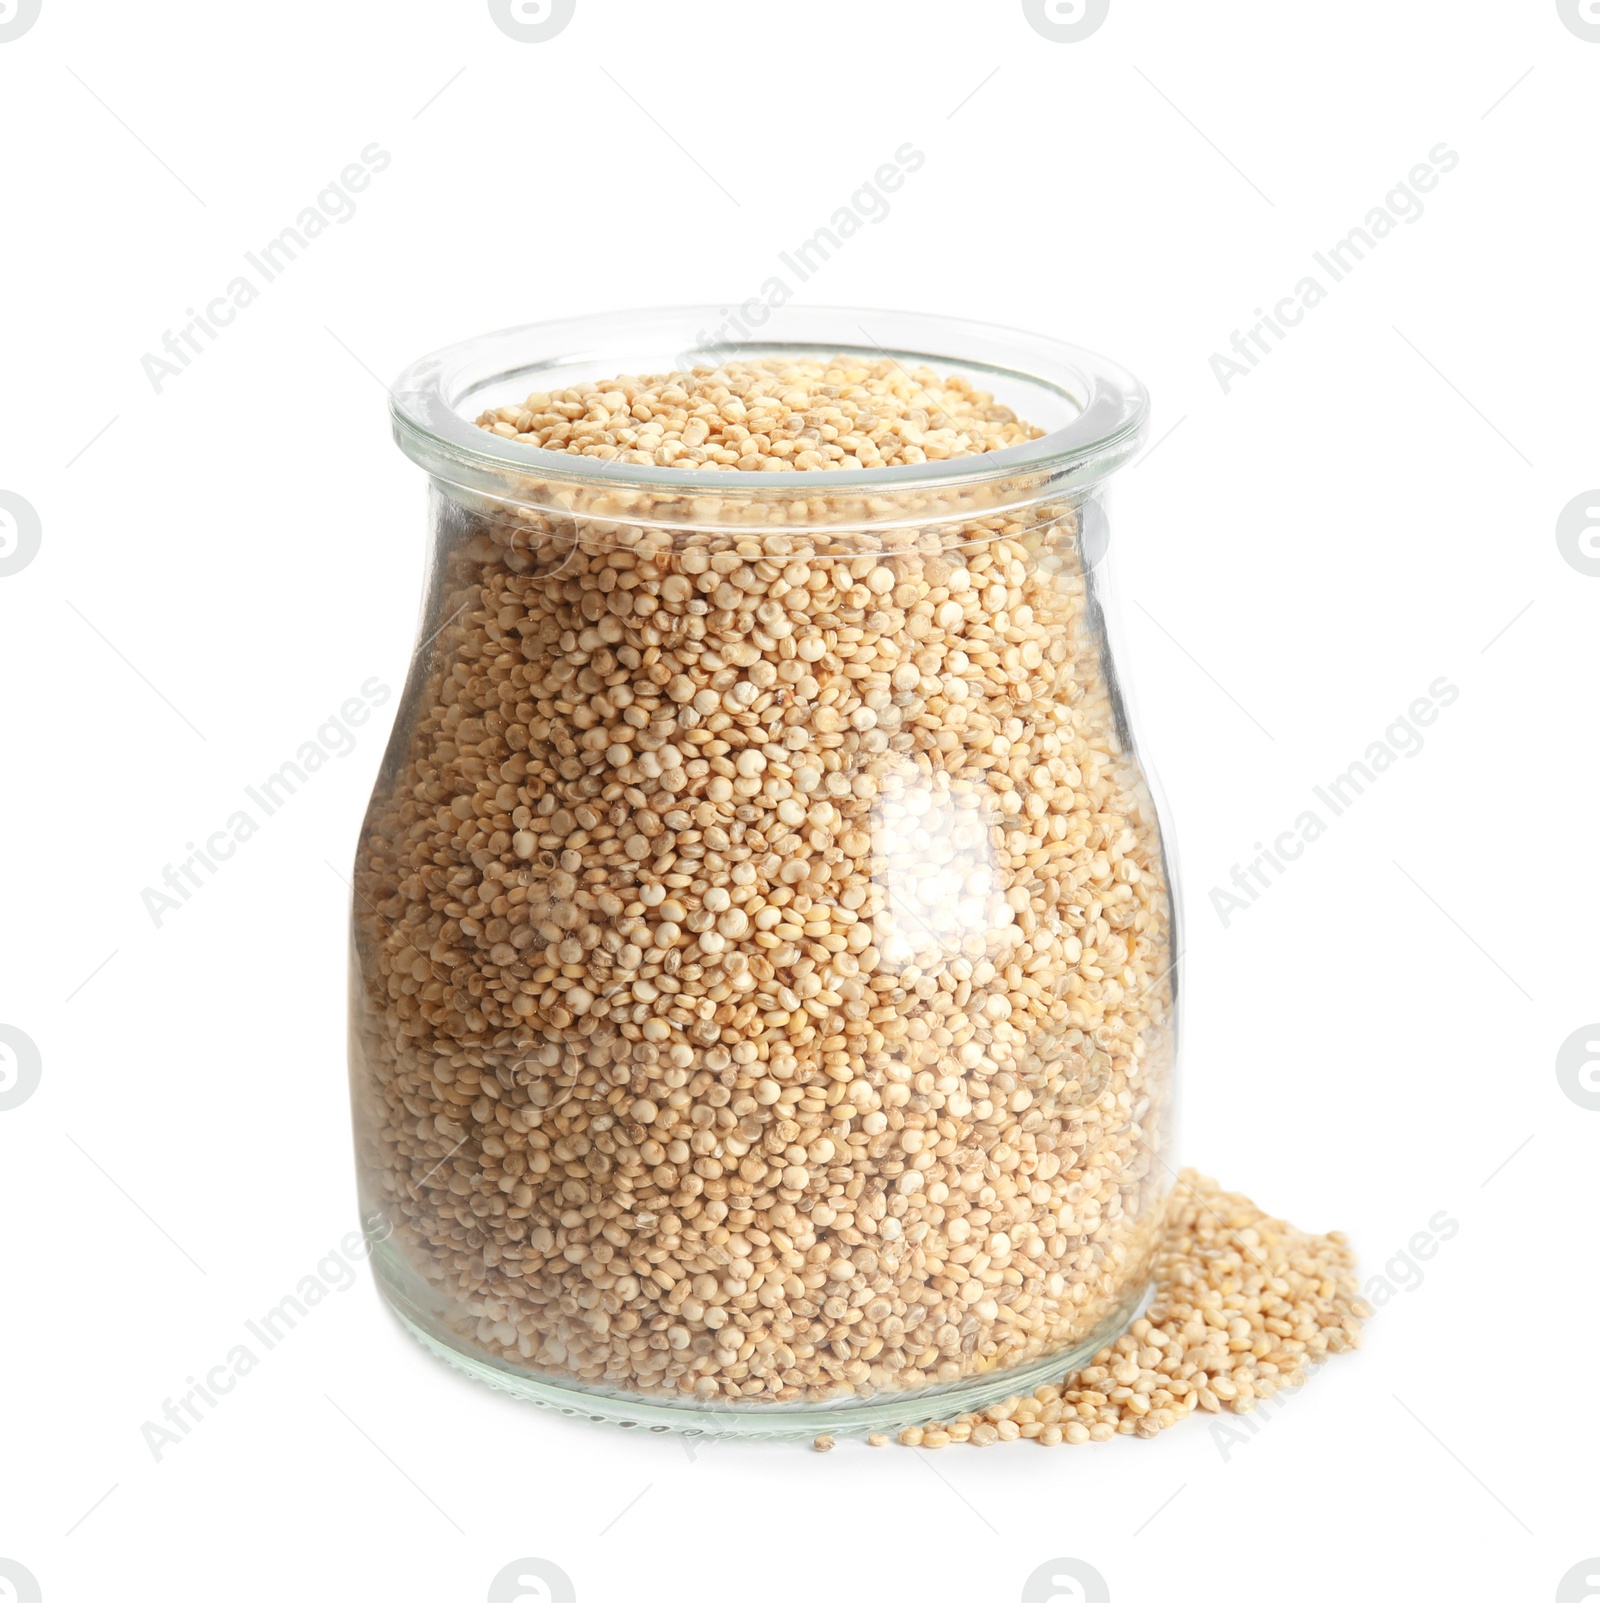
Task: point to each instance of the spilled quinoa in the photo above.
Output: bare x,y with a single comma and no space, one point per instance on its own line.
1244,1305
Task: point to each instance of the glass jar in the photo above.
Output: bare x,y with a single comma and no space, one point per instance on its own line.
763,986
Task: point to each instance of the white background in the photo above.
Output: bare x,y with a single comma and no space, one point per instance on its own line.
1372,507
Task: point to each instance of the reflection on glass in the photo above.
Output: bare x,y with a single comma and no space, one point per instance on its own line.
939,890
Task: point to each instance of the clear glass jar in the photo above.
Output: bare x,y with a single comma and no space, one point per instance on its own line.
763,987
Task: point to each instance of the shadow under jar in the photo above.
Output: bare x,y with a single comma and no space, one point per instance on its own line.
763,988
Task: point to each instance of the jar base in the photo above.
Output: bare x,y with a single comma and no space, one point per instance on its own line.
754,1421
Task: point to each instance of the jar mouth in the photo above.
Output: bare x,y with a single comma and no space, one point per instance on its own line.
1094,412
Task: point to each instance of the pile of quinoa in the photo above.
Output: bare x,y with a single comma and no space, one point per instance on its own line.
1244,1305
763,945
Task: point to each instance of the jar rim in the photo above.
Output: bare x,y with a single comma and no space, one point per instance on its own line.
1100,409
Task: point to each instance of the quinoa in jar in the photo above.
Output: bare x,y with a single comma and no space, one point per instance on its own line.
763,987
